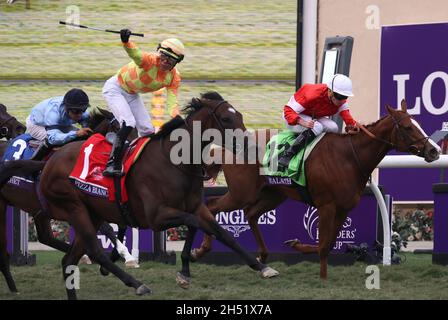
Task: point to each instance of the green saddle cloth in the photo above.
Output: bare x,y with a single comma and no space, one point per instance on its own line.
275,148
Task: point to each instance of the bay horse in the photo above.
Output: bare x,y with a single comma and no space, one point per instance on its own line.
337,171
161,194
101,121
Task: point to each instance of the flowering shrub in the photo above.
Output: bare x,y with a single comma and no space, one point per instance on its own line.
414,225
60,230
175,234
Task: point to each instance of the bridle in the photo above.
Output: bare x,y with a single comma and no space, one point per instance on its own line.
212,113
411,146
4,130
402,135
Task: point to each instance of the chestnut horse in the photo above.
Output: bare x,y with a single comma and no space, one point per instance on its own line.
27,200
337,171
161,194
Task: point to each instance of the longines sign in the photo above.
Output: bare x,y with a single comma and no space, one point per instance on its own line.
414,66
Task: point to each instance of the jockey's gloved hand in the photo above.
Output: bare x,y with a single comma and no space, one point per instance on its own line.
352,129
125,34
83,132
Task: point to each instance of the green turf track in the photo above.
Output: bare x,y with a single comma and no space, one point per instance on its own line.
417,278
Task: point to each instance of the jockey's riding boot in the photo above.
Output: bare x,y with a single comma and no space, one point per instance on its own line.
285,158
114,166
42,151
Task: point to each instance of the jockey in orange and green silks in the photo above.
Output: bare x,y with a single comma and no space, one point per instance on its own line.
147,72
143,73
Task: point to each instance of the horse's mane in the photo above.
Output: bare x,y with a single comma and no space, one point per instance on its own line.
97,115
194,105
169,127
373,124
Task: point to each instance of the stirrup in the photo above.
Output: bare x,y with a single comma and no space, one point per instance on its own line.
112,172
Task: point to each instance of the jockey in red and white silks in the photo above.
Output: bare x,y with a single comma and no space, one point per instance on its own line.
307,112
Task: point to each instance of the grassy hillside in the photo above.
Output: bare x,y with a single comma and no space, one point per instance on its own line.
260,103
224,39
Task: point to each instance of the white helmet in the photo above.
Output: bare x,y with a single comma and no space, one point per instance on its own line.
341,84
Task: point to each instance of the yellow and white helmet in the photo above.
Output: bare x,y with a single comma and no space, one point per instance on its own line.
172,47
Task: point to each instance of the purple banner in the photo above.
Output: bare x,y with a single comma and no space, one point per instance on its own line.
414,66
293,219
9,230
440,218
139,238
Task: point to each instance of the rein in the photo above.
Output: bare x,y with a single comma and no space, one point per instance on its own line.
389,143
203,175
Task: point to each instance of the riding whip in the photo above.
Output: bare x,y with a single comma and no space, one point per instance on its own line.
97,29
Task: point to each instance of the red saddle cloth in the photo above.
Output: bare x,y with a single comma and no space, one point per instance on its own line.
87,174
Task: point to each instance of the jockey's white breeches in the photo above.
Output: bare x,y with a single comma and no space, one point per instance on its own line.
127,107
37,132
323,124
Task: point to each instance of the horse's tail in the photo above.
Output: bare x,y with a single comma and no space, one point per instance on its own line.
18,168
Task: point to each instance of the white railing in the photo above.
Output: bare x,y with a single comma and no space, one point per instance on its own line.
399,161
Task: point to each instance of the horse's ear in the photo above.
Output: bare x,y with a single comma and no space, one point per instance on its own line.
389,109
196,101
94,111
2,107
105,113
404,106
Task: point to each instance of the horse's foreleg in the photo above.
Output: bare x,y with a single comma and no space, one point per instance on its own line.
227,202
209,225
267,200
4,256
183,278
45,234
206,246
169,217
262,248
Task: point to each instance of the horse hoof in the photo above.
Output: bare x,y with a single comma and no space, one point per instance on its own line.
104,272
291,242
142,290
182,281
268,272
194,255
132,264
85,260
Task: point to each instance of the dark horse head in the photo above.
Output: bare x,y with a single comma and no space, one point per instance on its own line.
103,121
10,127
223,118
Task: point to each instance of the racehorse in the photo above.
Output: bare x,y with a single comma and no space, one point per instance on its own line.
10,127
101,121
337,171
161,194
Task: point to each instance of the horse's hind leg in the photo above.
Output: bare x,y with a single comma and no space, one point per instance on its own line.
45,234
85,230
4,256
